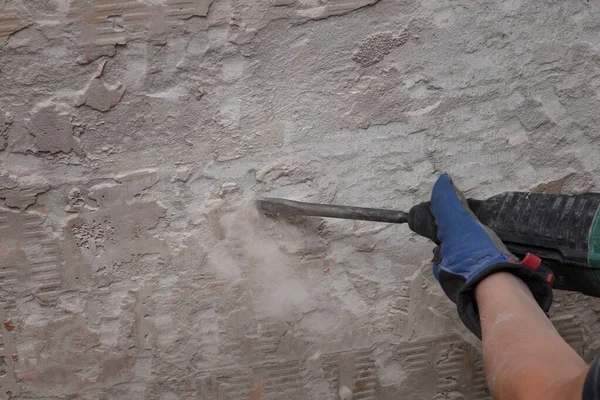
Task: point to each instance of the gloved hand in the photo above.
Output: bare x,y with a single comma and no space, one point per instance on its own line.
470,251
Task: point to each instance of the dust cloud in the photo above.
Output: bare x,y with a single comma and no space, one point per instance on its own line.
248,254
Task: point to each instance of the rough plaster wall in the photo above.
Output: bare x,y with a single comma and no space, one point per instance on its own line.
133,136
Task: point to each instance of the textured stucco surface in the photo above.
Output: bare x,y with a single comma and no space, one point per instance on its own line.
133,136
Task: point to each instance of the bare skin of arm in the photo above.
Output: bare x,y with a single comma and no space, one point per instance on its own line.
523,355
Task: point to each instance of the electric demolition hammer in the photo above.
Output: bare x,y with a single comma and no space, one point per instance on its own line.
563,230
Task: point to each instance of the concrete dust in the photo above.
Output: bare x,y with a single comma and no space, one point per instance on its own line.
248,253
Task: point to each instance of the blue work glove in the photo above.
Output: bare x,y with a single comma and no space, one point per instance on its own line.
470,251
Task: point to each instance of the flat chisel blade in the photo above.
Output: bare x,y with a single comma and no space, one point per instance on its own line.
277,207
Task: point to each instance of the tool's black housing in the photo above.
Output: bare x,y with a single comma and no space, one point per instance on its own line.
554,227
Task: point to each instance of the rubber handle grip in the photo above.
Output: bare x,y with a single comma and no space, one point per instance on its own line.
556,222
554,227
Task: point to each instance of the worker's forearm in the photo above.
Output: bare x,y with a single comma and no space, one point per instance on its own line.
524,356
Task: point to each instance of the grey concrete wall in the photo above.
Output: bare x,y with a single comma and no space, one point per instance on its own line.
133,136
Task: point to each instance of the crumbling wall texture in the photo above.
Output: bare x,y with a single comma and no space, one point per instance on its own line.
134,134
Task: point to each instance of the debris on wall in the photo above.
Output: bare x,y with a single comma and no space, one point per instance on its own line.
53,132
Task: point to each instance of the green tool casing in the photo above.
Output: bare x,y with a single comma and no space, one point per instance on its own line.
594,243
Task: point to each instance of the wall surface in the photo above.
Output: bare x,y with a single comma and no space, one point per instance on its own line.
134,135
